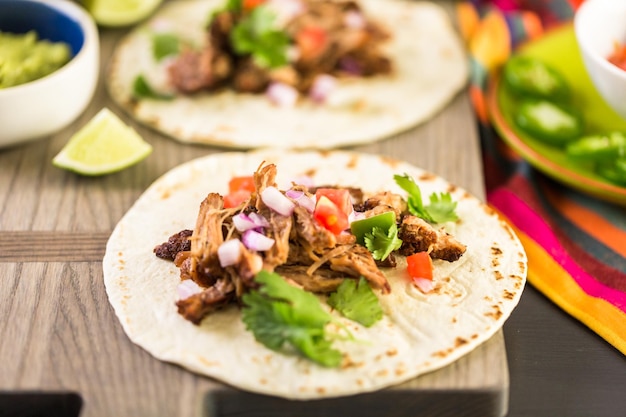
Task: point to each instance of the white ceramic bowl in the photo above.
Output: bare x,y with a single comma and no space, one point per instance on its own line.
599,25
44,106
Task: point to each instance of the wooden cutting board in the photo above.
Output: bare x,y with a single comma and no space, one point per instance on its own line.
62,348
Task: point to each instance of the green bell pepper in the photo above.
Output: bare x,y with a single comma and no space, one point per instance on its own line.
360,228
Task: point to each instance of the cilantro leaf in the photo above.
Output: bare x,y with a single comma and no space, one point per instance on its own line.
414,200
441,208
255,34
381,243
356,301
164,44
279,314
234,5
141,89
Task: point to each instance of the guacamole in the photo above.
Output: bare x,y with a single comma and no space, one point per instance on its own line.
24,58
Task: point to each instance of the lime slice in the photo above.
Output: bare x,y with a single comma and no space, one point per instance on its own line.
104,145
120,12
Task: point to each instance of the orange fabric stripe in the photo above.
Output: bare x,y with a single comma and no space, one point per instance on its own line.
467,17
532,25
592,223
491,43
555,283
480,105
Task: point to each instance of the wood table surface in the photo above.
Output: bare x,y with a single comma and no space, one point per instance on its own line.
59,335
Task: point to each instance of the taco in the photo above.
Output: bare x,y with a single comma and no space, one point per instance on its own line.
478,274
225,73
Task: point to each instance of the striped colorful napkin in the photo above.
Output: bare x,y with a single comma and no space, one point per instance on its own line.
576,244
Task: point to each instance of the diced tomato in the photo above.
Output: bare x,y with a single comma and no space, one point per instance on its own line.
311,41
330,216
241,183
235,198
419,265
339,196
251,4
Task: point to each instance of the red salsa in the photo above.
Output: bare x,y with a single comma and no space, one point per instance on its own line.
618,57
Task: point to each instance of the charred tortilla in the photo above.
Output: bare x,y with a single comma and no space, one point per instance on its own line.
418,333
429,68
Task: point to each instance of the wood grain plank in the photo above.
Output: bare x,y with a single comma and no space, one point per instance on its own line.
67,338
52,246
72,341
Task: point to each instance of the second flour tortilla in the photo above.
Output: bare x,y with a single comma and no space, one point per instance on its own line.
419,332
430,69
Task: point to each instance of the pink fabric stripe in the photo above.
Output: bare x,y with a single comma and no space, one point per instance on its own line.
529,222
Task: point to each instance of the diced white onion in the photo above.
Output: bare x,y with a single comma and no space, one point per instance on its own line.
354,20
293,53
276,201
350,65
229,252
355,215
256,241
285,10
304,180
187,288
322,86
424,284
249,221
302,199
282,95
160,25
242,222
259,220
294,194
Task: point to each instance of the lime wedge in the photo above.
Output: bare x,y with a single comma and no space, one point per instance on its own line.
120,12
104,145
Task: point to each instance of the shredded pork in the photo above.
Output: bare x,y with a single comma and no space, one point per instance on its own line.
325,37
303,252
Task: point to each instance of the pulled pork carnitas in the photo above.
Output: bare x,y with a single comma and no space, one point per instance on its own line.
254,45
278,231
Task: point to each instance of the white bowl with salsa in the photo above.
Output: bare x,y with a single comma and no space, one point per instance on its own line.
41,93
600,27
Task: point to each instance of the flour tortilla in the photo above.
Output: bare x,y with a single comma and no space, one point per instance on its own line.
430,62
419,332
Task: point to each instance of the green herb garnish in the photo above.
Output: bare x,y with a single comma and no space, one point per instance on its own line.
256,34
141,89
278,314
382,242
441,208
164,45
378,233
356,301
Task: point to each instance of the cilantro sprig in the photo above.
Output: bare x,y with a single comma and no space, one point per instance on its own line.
356,301
142,89
382,242
257,35
379,234
279,314
441,208
164,45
